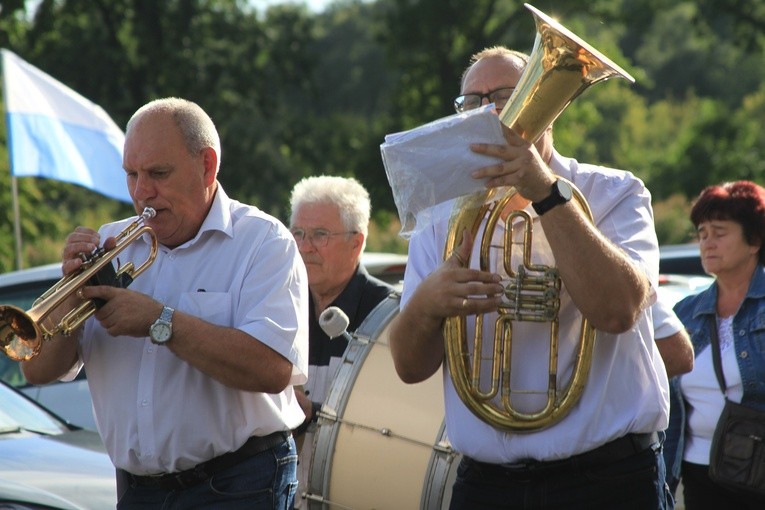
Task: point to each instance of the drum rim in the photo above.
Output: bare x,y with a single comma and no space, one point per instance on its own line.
359,347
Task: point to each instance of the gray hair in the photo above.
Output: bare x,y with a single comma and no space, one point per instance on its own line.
350,197
197,128
494,51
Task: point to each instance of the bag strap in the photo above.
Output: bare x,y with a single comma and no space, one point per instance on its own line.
716,358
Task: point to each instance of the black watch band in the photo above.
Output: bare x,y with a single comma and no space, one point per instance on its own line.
560,193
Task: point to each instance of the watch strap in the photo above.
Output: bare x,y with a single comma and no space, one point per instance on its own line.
166,315
550,201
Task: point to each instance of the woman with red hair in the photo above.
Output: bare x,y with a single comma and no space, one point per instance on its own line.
730,224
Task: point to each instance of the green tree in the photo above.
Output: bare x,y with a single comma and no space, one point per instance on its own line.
296,93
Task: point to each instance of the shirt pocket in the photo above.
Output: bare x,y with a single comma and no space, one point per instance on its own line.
213,307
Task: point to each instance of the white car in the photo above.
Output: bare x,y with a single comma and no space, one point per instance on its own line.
46,464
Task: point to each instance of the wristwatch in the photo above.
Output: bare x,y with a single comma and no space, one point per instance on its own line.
560,193
162,330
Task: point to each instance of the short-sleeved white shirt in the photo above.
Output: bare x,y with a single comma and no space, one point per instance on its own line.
665,322
156,413
627,389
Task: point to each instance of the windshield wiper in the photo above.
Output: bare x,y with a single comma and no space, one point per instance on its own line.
17,429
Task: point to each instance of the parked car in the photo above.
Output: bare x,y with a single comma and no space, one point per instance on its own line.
388,267
46,463
680,259
674,287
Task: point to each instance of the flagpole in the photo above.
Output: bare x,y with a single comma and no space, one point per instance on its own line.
16,220
14,184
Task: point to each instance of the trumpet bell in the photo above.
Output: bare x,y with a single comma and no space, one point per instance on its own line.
20,337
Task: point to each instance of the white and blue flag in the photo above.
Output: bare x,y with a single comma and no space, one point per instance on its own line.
55,133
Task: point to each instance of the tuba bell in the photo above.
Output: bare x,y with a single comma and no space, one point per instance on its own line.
22,333
561,66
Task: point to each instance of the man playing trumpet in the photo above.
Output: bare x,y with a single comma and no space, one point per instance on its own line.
191,367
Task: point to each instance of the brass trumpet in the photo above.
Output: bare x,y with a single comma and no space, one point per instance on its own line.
22,333
561,66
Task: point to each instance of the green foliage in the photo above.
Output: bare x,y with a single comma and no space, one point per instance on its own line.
296,93
673,225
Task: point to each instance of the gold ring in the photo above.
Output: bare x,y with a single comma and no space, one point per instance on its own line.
464,303
459,259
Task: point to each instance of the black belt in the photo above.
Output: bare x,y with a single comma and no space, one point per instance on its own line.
616,450
205,470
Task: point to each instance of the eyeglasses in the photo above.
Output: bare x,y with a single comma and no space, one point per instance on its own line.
318,237
499,97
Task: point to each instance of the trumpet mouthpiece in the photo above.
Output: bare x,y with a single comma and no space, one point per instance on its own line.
148,212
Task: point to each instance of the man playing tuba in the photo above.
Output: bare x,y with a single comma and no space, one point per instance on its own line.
605,452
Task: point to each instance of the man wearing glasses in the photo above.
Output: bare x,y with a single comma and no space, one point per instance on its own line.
605,453
330,220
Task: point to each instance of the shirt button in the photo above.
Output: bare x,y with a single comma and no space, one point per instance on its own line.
744,354
742,333
144,402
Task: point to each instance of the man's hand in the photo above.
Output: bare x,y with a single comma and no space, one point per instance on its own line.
416,337
125,312
522,167
454,289
305,403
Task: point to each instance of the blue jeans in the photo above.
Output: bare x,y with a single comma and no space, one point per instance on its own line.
266,481
636,482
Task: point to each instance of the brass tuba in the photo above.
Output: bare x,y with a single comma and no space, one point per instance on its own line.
22,333
561,66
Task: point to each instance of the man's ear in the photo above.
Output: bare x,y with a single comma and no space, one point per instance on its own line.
210,161
358,245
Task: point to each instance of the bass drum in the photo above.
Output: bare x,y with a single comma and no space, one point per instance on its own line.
380,444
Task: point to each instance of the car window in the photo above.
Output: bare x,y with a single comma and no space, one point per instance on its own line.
18,414
680,259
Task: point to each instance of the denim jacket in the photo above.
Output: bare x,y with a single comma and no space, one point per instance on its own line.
749,342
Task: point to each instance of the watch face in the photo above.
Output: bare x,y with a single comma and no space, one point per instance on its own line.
160,332
564,189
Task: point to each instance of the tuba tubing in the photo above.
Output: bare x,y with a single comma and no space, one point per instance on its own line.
561,66
22,333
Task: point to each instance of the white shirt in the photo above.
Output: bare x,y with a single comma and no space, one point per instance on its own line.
627,390
703,396
665,322
155,412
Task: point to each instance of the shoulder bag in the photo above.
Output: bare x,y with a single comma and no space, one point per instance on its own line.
737,457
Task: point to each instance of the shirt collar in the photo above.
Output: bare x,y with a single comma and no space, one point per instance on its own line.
219,215
348,299
707,303
218,218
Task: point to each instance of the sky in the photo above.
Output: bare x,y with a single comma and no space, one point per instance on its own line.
313,5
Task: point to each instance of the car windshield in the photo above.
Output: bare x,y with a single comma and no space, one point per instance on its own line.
18,414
